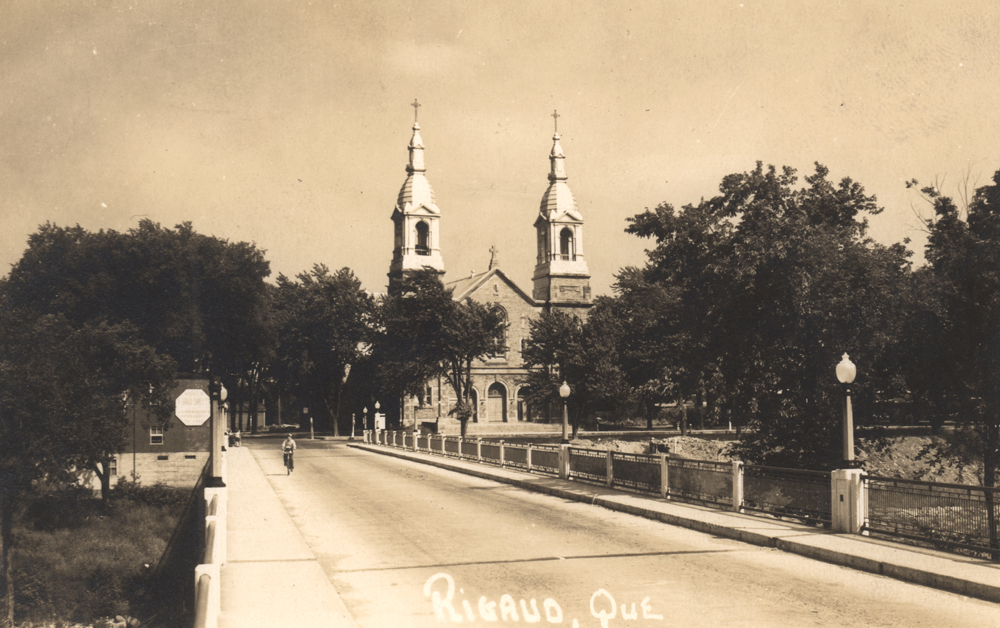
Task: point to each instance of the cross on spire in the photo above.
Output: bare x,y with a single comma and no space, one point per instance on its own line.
415,105
556,116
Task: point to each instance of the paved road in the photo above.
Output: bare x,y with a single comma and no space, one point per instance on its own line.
391,535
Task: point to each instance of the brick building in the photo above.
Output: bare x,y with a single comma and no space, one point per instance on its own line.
561,280
172,452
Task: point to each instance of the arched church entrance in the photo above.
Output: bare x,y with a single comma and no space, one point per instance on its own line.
496,402
523,410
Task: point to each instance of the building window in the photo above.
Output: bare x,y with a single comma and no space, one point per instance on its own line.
112,466
426,398
524,343
156,436
163,457
423,239
501,347
566,245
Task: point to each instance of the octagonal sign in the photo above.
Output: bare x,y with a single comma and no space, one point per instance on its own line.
193,407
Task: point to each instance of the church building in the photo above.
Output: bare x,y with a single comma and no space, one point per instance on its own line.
561,280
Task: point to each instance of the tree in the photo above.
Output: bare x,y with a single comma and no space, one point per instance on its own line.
325,321
425,333
470,331
605,382
554,347
188,295
964,262
779,281
63,397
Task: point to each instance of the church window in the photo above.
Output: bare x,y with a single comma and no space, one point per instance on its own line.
426,398
501,346
566,245
543,246
423,239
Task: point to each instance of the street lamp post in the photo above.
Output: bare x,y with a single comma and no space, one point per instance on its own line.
846,371
217,395
564,393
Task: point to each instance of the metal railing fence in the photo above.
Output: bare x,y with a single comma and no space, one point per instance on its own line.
636,472
588,464
491,452
470,449
956,515
545,459
783,492
701,481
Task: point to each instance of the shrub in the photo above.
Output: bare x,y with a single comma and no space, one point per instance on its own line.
76,560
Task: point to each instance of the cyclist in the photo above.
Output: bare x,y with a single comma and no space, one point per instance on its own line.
288,448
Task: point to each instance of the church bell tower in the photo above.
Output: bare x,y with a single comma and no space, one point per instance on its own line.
561,279
416,217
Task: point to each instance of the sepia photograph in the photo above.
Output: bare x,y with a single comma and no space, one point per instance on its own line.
425,313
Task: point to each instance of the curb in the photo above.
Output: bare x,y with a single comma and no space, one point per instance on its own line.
951,584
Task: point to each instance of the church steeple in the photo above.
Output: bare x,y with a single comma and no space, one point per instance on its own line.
561,276
415,217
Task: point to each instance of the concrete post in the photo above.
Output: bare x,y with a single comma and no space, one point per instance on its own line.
564,461
664,477
501,454
610,470
460,455
213,593
479,449
848,501
219,498
529,457
737,486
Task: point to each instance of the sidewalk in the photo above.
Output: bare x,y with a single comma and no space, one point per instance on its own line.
948,572
270,577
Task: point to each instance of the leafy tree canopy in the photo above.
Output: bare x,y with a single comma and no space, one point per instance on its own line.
774,282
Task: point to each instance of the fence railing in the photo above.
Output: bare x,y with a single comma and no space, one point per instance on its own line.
207,582
704,481
956,515
791,493
944,515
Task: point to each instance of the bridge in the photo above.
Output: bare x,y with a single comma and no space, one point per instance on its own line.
355,537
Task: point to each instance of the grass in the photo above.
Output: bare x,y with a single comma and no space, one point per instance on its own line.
77,560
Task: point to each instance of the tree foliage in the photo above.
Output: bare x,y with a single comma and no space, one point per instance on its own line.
555,350
425,333
324,322
770,283
963,315
188,295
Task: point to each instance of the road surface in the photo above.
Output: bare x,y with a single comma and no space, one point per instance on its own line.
411,545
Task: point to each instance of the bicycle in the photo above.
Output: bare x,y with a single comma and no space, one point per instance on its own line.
289,462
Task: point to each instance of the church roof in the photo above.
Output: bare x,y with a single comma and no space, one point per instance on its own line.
558,202
464,288
416,191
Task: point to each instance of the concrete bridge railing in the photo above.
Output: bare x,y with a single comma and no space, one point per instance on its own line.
206,575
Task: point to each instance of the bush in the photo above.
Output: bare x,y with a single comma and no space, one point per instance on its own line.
154,495
77,560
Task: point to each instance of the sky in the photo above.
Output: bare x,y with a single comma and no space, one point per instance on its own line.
285,123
